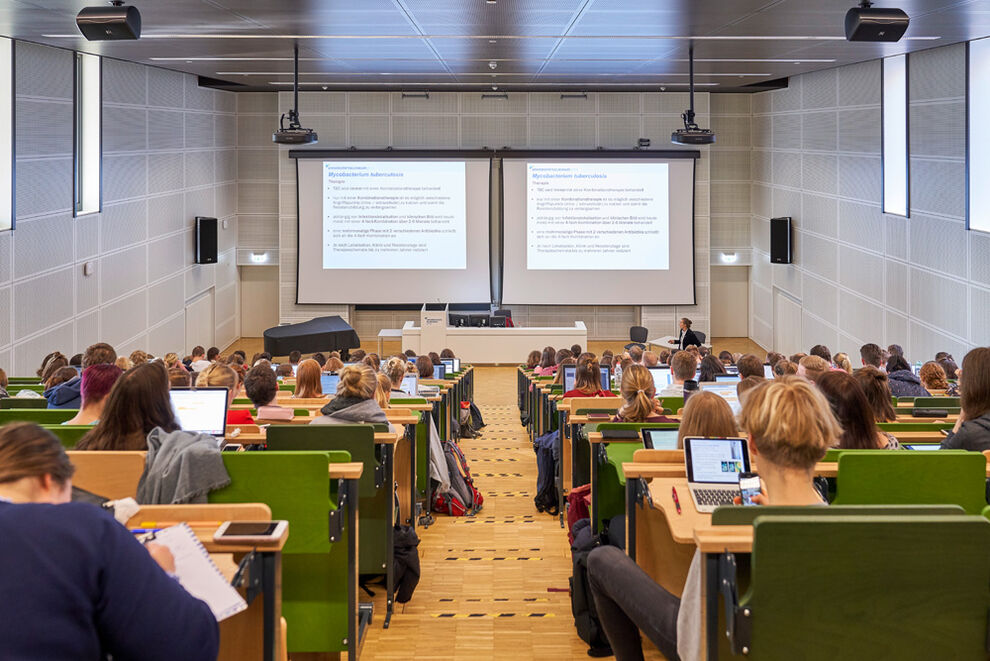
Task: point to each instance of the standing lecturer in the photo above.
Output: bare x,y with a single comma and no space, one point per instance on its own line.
687,336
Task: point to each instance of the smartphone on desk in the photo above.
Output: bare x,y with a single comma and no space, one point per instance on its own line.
249,532
749,487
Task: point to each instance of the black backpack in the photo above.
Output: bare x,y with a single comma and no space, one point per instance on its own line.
546,475
582,603
405,563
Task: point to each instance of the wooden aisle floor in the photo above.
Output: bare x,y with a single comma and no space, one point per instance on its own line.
493,586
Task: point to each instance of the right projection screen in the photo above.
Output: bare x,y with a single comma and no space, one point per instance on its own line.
598,231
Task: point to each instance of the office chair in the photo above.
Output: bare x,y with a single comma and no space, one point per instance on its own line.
637,337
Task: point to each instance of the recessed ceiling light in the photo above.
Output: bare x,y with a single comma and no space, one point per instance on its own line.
490,2
492,41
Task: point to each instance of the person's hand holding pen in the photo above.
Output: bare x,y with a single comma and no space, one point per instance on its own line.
162,556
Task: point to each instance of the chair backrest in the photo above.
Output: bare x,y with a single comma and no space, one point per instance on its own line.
894,427
41,416
737,515
69,435
638,334
936,403
24,403
883,477
108,473
701,336
357,440
845,603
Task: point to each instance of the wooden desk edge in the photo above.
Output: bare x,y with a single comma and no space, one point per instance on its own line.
348,471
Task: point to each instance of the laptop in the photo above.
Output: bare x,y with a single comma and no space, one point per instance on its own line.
201,410
659,438
570,378
453,364
328,383
768,371
727,378
922,446
661,377
713,466
731,369
727,391
440,371
409,385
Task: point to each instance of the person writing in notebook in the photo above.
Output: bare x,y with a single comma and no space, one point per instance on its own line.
83,586
790,426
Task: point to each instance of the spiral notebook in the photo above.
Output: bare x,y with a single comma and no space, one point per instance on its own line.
198,574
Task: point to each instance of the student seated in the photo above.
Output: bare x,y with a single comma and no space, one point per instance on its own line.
972,429
85,587
588,381
744,387
842,362
396,369
876,387
790,427
933,377
650,359
178,377
424,367
3,384
355,401
750,365
706,415
374,361
137,405
822,352
682,368
53,356
60,376
221,376
547,366
638,394
812,367
383,393
294,358
533,360
97,380
784,367
726,358
68,395
854,414
199,361
261,387
284,371
559,377
308,384
904,382
710,366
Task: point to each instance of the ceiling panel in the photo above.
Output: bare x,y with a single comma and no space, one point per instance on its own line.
391,44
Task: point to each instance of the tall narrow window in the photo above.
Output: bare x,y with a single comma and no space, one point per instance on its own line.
978,136
6,134
88,134
895,135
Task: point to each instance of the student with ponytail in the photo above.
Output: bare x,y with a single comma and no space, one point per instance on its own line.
355,401
638,393
587,381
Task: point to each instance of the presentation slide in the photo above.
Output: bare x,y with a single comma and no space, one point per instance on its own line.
598,230
378,229
378,214
618,212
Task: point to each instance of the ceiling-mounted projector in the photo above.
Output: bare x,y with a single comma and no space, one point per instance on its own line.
867,23
691,134
294,133
109,23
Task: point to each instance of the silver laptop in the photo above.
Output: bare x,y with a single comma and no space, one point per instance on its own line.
713,467
202,410
659,438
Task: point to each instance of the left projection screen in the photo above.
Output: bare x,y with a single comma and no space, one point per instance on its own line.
393,230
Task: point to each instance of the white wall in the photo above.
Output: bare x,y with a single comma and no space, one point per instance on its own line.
730,301
168,156
859,275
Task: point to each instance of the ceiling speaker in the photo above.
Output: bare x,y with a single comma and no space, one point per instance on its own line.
868,23
109,23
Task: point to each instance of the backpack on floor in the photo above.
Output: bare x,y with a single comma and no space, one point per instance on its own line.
589,628
546,474
462,498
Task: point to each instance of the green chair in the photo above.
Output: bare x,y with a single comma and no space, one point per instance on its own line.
894,427
377,506
884,589
422,443
737,515
41,416
319,590
936,403
69,434
23,403
33,387
22,380
882,477
287,387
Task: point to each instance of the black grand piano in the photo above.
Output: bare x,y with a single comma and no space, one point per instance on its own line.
319,334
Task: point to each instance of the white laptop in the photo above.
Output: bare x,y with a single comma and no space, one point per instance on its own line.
328,383
659,438
713,467
661,377
409,385
727,391
768,371
202,410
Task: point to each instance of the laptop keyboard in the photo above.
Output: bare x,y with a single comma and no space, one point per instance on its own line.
713,496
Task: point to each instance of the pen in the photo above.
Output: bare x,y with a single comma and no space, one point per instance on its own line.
677,503
191,524
141,531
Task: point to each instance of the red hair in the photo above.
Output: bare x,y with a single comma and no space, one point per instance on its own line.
97,380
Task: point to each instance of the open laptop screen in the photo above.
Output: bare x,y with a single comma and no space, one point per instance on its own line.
439,371
328,382
659,439
661,377
768,371
570,378
202,410
726,391
728,378
715,460
453,364
409,385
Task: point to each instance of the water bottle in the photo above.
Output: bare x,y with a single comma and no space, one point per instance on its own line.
917,368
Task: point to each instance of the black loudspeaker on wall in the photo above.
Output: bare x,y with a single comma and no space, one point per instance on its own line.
206,240
780,240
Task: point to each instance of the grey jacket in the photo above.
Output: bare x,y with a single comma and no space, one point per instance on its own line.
346,411
972,435
181,467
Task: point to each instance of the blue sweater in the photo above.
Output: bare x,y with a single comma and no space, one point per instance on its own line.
75,584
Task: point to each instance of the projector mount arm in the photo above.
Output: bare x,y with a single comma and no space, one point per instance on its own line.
293,113
688,115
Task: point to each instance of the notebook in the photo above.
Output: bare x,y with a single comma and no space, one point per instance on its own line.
713,467
198,574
